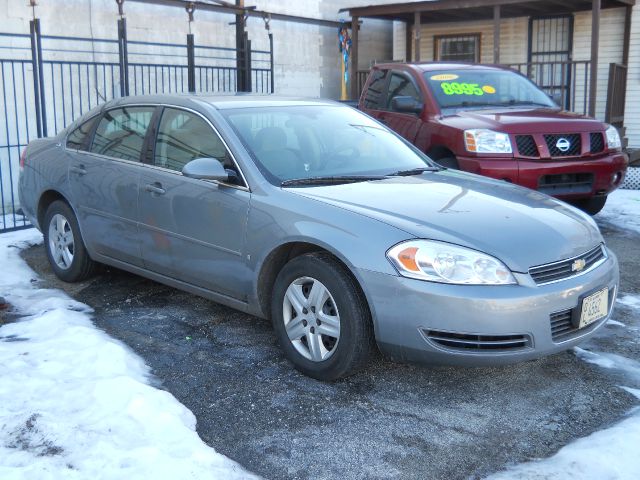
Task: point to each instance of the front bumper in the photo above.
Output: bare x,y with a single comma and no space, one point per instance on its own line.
406,310
608,172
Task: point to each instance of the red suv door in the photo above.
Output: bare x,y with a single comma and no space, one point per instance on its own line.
401,84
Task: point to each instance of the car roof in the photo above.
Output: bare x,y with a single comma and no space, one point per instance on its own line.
223,101
432,66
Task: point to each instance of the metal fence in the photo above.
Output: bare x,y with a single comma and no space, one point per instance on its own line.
47,81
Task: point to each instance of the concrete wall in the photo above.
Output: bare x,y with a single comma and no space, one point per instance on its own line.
307,61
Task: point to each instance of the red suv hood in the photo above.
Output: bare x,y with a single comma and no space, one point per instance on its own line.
541,120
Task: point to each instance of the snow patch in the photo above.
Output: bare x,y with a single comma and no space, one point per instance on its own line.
611,453
632,301
622,209
77,403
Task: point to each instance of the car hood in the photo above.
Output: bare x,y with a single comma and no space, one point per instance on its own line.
521,227
518,121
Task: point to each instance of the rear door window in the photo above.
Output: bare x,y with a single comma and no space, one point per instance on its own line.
121,133
373,97
78,138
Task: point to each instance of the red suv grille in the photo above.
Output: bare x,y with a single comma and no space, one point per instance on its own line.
597,143
564,145
527,146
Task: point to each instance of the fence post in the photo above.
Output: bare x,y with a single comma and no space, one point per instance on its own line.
191,64
123,57
247,64
38,82
271,61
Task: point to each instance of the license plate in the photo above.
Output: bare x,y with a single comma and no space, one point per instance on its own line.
594,307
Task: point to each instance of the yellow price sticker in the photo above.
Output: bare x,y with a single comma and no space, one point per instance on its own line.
488,89
444,77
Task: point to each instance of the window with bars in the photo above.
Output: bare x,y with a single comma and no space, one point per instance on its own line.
457,48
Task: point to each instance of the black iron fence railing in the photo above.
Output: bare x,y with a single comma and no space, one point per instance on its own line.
47,81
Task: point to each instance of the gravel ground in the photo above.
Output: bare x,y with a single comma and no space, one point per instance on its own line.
391,421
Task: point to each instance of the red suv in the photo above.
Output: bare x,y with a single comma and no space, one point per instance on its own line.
493,121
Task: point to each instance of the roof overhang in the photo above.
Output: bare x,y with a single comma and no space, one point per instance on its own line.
467,10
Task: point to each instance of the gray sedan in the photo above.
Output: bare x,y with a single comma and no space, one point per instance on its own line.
316,216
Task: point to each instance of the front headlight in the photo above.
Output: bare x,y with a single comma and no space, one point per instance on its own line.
613,138
487,141
446,263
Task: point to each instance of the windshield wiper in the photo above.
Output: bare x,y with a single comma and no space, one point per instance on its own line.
331,180
415,171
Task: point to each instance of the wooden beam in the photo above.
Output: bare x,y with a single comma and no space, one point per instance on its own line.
408,38
417,26
627,35
595,44
429,6
353,73
496,34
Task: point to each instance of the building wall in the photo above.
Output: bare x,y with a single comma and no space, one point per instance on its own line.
632,108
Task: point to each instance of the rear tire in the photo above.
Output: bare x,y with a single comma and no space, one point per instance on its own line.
449,162
591,205
321,318
64,245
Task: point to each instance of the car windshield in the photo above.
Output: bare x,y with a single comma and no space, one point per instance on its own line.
318,142
462,88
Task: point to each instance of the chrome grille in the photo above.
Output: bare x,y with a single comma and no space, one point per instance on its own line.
465,341
553,272
574,149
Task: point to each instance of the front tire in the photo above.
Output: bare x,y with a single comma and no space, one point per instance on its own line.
64,245
591,205
321,318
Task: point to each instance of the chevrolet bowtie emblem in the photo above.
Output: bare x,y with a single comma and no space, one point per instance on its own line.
578,265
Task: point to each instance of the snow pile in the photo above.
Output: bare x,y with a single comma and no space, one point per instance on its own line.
622,209
607,454
77,404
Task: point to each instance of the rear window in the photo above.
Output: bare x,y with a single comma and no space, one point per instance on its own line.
484,88
121,132
373,97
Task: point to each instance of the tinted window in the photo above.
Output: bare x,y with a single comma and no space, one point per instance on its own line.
375,90
77,139
121,132
401,86
184,136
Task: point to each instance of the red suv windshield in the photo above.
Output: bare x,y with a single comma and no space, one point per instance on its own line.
484,88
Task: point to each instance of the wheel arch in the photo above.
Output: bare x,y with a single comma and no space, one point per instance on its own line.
47,198
276,259
437,152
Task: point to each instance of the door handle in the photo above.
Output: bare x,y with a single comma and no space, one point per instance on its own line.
79,169
155,188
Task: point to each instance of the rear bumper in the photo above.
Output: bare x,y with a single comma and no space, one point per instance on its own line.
409,316
607,173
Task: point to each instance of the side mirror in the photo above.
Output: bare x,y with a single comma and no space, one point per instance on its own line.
557,98
406,104
205,169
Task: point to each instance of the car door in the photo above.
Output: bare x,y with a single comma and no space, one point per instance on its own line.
193,230
104,183
408,125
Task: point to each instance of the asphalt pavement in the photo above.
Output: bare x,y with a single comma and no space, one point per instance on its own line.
390,421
